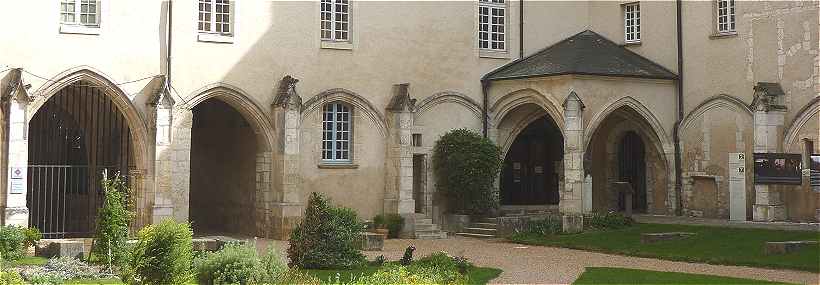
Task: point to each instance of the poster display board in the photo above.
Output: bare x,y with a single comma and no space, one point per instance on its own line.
815,171
777,168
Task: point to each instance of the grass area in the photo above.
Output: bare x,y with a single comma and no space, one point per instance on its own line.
30,260
714,245
476,275
609,275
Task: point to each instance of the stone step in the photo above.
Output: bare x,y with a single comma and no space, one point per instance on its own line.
426,227
488,220
424,221
484,225
435,235
485,231
472,235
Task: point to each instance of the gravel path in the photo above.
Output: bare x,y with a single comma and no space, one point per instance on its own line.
548,265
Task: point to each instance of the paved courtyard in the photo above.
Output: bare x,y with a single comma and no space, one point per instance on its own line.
548,265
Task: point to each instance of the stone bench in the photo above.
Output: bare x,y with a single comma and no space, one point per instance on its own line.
784,247
60,247
370,241
657,237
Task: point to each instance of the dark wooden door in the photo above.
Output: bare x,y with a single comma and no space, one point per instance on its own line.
632,169
528,176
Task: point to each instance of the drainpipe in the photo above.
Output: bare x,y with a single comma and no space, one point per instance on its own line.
485,87
520,29
676,129
167,86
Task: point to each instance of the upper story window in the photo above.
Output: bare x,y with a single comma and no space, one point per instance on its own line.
725,16
492,24
80,12
336,130
335,20
632,23
215,17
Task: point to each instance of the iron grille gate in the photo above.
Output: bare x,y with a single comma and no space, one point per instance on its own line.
73,138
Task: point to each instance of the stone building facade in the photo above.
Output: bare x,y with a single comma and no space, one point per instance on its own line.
229,113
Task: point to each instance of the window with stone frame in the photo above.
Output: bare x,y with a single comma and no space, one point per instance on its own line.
725,14
336,132
492,15
215,17
632,22
335,20
80,12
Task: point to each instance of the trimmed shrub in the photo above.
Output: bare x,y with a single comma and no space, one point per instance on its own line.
163,255
112,223
12,240
394,274
326,237
466,166
608,221
239,264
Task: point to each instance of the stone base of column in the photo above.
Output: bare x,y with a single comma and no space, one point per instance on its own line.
17,216
769,213
408,231
161,212
283,218
572,223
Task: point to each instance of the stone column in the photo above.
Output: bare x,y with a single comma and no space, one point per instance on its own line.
15,103
571,205
768,124
399,164
163,206
283,210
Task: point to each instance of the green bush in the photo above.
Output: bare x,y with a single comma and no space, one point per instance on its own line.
296,276
112,223
11,277
32,235
326,237
451,269
607,221
12,240
163,255
466,166
239,264
547,226
394,274
394,223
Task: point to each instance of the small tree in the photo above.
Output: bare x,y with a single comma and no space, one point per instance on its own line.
466,166
112,223
326,237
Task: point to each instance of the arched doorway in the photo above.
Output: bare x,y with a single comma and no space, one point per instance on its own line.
632,169
223,184
75,136
533,165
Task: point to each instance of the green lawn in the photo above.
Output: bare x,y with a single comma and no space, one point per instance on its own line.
30,260
715,245
609,275
476,275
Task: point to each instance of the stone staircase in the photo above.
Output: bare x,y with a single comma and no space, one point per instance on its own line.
482,228
426,229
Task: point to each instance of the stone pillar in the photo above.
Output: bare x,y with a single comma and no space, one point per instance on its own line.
167,170
768,124
282,210
398,196
15,103
571,205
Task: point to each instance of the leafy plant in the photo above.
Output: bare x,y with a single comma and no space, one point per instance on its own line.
32,235
12,239
394,223
326,237
607,221
163,255
379,261
112,223
547,226
233,264
407,258
466,166
11,277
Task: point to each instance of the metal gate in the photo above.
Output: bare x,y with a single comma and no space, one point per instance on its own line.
632,169
73,138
